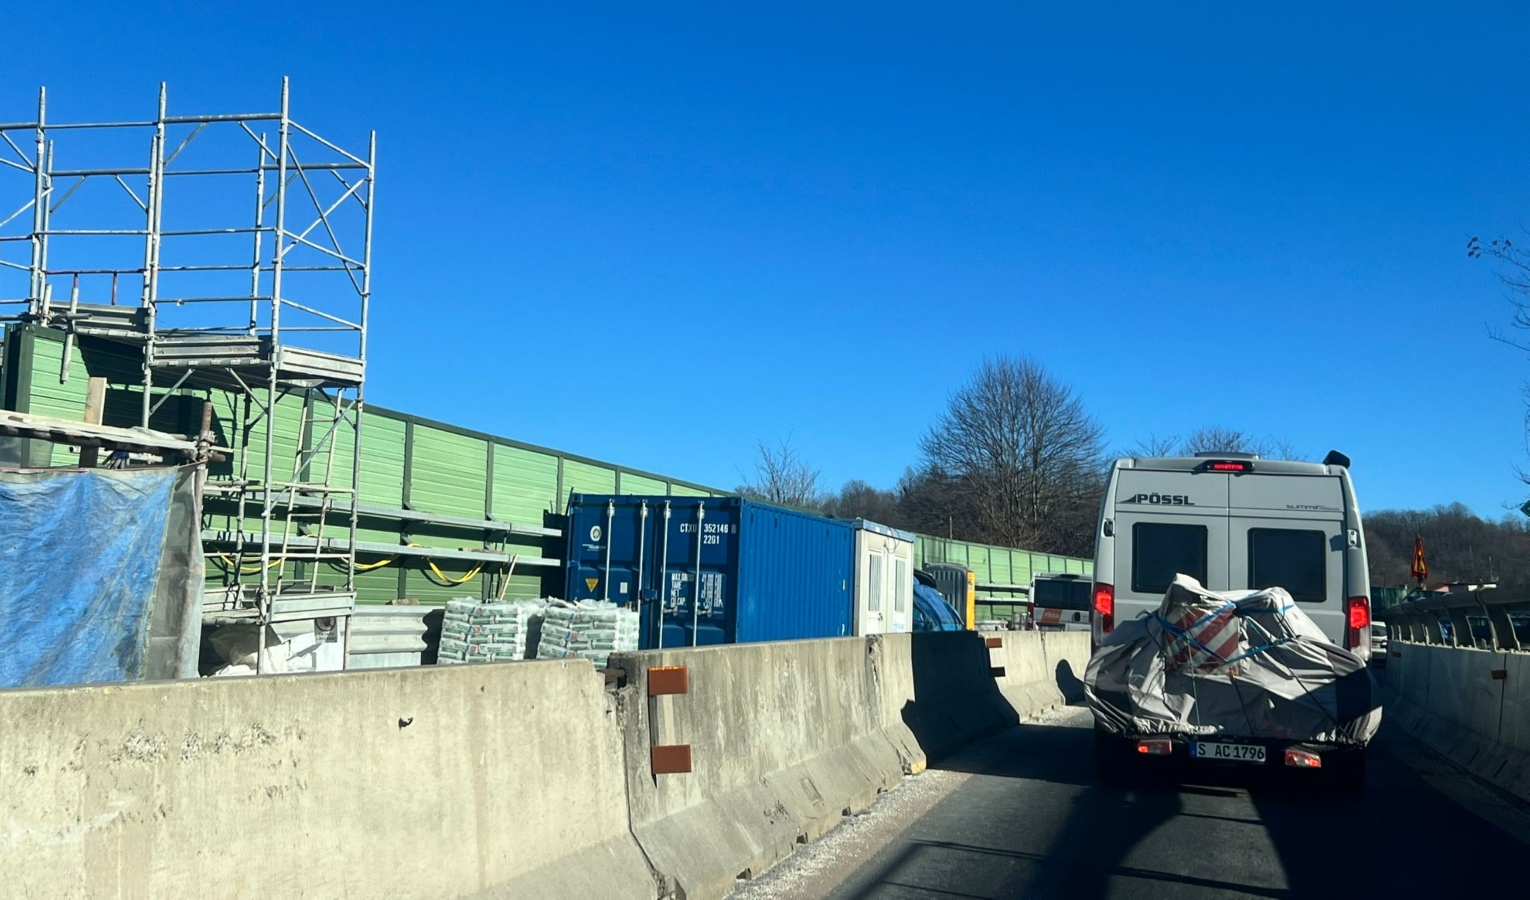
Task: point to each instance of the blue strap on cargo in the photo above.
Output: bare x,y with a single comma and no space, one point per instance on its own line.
1184,634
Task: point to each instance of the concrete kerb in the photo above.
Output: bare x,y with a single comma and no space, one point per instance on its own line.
498,780
785,739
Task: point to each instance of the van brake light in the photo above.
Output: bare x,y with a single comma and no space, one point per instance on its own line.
1230,465
1357,613
1105,606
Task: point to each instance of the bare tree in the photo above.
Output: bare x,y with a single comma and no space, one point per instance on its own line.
1216,439
858,499
782,476
1221,439
1017,445
1514,274
1155,446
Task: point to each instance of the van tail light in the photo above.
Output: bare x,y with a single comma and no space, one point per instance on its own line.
1357,614
1155,747
1105,606
1303,759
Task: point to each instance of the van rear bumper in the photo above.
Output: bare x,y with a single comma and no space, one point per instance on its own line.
1180,744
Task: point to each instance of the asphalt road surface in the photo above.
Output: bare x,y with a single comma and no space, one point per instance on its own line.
1020,815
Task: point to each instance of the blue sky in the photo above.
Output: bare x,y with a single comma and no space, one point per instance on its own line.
655,235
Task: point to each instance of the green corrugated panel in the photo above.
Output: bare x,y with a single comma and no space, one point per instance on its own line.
447,472
639,484
977,561
425,587
382,462
1020,568
999,565
681,490
583,478
60,401
227,413
524,587
377,586
49,398
525,484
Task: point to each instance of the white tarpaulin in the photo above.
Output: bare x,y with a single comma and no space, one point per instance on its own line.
1245,664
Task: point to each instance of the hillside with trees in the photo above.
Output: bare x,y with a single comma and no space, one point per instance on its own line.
1459,546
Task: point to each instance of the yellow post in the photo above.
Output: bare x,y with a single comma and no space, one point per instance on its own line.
971,601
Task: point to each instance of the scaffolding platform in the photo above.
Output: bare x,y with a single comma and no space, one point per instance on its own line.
254,359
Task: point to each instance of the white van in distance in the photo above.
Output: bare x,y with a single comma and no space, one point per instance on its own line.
1234,521
1059,602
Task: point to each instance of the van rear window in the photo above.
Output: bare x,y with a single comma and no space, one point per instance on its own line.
1289,558
1071,594
1161,551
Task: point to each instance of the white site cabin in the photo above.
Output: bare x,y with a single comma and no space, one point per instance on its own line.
884,579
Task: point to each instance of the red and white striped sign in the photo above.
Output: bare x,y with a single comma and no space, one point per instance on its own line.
1205,637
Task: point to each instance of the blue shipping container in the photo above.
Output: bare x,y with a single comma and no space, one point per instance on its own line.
723,569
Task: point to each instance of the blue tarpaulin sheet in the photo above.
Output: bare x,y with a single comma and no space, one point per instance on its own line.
80,559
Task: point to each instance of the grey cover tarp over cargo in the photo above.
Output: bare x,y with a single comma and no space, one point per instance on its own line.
1246,664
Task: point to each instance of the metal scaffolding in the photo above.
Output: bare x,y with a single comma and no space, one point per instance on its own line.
240,261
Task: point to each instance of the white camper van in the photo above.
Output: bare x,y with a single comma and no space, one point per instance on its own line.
1234,521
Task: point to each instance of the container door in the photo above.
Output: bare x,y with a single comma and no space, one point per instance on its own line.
870,591
607,540
902,591
697,554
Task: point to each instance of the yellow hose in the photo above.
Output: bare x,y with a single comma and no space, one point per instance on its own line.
230,562
451,582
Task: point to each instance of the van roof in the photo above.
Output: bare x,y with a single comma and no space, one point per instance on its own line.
1192,463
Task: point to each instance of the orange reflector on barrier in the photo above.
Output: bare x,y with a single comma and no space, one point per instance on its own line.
671,759
991,643
666,680
1302,759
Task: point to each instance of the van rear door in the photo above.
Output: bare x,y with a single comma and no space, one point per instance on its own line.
1167,523
1288,531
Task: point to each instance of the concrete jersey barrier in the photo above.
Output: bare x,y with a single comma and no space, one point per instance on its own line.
1467,705
1038,671
492,781
522,779
784,739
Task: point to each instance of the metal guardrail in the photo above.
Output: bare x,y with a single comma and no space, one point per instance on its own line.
1488,618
